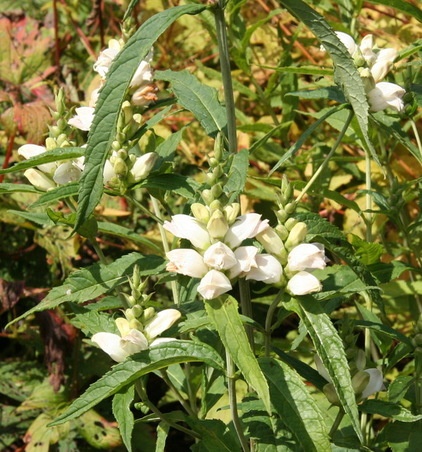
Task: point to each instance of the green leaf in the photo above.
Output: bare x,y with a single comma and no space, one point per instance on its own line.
296,407
328,92
177,183
14,188
238,172
388,409
345,72
304,136
330,349
198,98
401,5
57,194
167,148
126,373
215,436
127,234
224,313
110,101
54,155
90,321
88,283
122,401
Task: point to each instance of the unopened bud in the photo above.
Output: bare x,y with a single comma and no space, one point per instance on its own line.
149,313
216,191
135,325
282,232
207,196
331,394
232,212
297,235
120,167
291,223
217,225
115,145
360,381
50,143
200,212
143,166
137,311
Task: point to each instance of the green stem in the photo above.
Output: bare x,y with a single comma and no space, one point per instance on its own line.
143,395
176,392
166,247
223,49
337,422
417,137
231,383
327,159
269,321
246,307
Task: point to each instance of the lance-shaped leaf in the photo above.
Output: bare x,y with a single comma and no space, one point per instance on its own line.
345,71
224,314
88,283
137,365
330,349
55,155
123,414
295,405
109,104
198,98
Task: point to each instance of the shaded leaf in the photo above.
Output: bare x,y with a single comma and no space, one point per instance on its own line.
122,401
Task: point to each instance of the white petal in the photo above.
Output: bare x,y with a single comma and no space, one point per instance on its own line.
220,257
33,150
246,259
161,340
133,342
39,180
213,284
66,172
271,241
269,269
143,166
245,227
112,345
108,172
162,321
83,118
375,383
187,227
321,369
306,256
386,95
347,41
144,72
186,262
303,283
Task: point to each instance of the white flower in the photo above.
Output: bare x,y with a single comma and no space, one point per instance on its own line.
162,321
70,171
39,180
144,73
186,262
220,257
383,62
375,383
187,227
271,241
106,57
245,227
306,256
303,283
83,118
386,95
143,166
268,270
28,151
246,259
119,348
348,42
213,284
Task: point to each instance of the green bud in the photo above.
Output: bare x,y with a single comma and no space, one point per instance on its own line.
213,162
217,225
129,314
290,207
360,381
122,154
207,196
291,223
200,212
232,212
120,167
137,311
297,235
149,313
217,191
50,143
54,131
135,325
331,394
282,232
282,216
115,145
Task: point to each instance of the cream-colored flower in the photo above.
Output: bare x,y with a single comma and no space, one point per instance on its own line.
214,284
303,283
386,95
186,262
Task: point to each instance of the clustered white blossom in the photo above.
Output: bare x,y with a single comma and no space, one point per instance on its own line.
219,255
135,336
121,165
373,65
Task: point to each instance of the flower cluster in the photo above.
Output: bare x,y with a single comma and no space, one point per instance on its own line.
122,168
136,336
373,65
140,326
220,255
